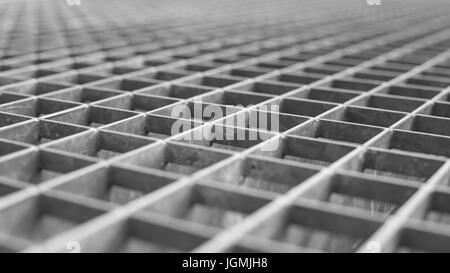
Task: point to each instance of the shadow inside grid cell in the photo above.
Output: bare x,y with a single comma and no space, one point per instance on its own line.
262,174
41,217
92,116
137,102
314,228
337,131
267,121
390,103
365,116
35,88
36,107
115,184
326,94
39,132
154,126
268,87
176,158
378,197
83,94
299,107
100,144
35,167
179,91
123,85
237,99
415,142
7,119
427,124
395,165
225,137
213,81
209,206
308,151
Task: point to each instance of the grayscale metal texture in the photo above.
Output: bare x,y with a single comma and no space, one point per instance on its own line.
87,154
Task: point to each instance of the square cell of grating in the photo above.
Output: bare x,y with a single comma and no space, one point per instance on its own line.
175,158
337,131
137,102
243,72
38,166
429,81
390,103
83,94
8,80
323,69
367,116
39,131
8,147
37,107
75,78
201,66
379,197
299,107
168,75
35,88
201,112
7,119
353,84
318,227
296,78
415,142
427,124
123,85
390,164
114,184
7,188
213,81
326,94
262,174
153,126
33,73
391,67
143,234
230,59
438,209
437,72
6,97
411,91
92,116
438,109
275,64
178,91
304,150
209,205
39,218
345,61
268,87
423,239
101,144
267,121
224,137
235,98
376,75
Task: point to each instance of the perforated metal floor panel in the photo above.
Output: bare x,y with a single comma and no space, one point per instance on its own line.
89,161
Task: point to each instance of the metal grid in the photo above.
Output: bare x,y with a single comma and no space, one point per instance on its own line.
87,153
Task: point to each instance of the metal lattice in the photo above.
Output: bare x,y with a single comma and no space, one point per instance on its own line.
87,153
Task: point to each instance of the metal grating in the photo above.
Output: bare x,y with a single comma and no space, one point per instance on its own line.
87,154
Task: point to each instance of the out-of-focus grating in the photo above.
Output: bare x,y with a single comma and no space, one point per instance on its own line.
355,156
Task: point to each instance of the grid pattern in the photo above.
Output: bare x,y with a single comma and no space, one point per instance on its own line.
87,154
